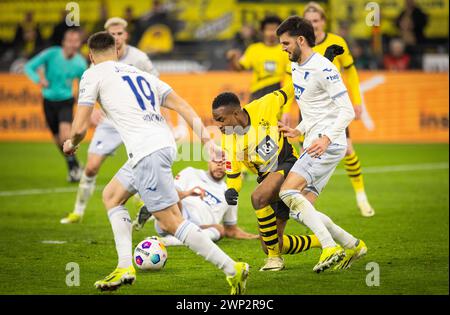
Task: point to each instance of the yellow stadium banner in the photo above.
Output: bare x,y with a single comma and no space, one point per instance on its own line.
401,107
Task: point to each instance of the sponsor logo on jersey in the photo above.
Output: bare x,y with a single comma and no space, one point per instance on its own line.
298,90
267,148
210,199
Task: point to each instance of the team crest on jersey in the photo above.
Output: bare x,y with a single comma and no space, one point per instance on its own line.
267,148
210,199
298,90
264,123
270,66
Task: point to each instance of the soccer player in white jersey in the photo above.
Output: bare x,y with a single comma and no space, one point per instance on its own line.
202,201
131,100
106,139
326,111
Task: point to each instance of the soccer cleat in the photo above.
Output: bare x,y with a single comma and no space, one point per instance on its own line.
141,218
329,257
74,175
118,277
364,205
273,264
239,280
352,255
366,209
71,218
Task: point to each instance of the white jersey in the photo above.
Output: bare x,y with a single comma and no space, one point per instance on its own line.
131,99
139,59
318,84
213,209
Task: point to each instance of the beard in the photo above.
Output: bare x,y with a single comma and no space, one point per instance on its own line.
295,56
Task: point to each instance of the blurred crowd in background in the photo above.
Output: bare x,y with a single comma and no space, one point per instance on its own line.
159,32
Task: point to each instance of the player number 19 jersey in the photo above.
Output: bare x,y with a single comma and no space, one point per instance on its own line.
131,99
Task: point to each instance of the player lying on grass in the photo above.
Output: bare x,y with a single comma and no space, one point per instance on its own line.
202,201
132,99
326,111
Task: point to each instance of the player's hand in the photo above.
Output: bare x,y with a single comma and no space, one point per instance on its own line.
233,54
196,192
231,196
43,83
215,152
333,51
288,131
358,111
97,117
69,148
318,147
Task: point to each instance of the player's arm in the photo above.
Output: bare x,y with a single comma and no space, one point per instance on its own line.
147,65
33,68
239,62
232,230
174,102
352,78
88,94
333,84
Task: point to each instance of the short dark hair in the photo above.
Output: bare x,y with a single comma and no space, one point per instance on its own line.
101,41
226,99
297,26
273,19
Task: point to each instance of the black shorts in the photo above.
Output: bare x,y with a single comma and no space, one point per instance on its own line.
278,206
57,112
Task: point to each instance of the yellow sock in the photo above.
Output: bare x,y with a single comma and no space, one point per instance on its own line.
294,244
267,224
353,168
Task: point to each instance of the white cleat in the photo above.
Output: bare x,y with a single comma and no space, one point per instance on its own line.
273,264
364,205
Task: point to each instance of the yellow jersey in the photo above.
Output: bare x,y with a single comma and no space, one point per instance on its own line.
342,62
268,64
260,147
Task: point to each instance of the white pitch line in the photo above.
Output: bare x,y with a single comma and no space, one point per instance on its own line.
366,170
28,192
400,168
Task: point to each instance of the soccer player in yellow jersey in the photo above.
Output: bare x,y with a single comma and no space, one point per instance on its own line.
315,14
266,60
251,138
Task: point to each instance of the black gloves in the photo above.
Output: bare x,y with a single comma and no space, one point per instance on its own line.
231,196
333,51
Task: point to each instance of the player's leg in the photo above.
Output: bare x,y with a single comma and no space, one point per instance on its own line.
291,243
115,195
104,142
65,117
354,248
353,168
214,231
51,112
306,171
261,198
155,172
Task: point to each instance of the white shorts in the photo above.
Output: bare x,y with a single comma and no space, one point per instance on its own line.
152,177
105,140
317,171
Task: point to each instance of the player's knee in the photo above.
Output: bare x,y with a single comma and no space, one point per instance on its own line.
111,199
91,169
259,200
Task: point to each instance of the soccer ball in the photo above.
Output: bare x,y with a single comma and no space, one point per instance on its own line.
150,254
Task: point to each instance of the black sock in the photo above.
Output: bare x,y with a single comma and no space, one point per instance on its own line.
72,161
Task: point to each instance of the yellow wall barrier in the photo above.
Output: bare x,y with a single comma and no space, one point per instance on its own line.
404,107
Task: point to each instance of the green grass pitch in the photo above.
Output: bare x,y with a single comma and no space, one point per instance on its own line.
408,237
